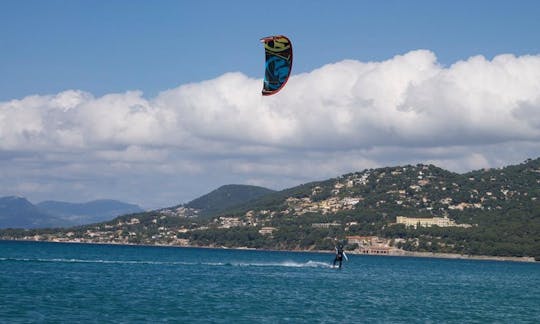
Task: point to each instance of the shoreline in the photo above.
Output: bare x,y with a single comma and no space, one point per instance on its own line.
397,253
467,257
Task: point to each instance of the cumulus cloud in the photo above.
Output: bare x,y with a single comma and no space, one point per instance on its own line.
340,117
409,99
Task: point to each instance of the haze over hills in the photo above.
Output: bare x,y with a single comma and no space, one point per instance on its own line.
490,212
88,212
18,212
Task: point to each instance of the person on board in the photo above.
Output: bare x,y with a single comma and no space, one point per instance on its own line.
339,255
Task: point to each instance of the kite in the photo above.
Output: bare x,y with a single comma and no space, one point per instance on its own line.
278,55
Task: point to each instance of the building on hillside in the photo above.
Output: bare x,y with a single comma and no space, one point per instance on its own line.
370,244
267,230
428,222
325,225
375,250
364,240
228,222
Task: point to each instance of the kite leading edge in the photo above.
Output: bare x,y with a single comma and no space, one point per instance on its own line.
278,64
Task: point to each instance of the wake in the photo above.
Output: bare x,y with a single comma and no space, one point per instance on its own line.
288,264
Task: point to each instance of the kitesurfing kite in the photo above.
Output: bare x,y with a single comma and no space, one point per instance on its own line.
278,64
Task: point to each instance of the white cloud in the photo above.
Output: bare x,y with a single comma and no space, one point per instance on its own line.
339,118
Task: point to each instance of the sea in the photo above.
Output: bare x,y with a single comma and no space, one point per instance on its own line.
93,283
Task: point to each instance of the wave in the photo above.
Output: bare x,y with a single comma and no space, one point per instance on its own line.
289,264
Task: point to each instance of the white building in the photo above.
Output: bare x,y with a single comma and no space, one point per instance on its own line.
428,222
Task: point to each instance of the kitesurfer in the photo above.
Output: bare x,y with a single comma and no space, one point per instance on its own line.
339,255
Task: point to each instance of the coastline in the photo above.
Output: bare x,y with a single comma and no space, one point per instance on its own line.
467,257
396,253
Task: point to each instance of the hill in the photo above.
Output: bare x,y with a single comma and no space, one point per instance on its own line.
483,212
221,200
18,212
226,197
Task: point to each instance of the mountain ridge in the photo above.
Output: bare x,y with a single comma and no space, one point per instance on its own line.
227,196
18,212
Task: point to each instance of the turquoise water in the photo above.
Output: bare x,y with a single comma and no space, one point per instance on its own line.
67,283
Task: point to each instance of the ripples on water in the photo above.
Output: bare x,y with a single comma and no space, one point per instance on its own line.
47,282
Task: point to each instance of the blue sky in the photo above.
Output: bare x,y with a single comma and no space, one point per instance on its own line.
114,46
158,102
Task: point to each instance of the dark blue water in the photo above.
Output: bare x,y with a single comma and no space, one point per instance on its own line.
53,282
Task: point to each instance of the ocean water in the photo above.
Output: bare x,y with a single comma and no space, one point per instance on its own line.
69,283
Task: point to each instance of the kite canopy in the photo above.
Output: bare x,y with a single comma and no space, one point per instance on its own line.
278,54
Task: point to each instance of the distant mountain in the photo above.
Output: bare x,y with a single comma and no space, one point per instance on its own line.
89,212
18,212
226,197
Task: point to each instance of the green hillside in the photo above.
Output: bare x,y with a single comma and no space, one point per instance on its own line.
493,212
226,197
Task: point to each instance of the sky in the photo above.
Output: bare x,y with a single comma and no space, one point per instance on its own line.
159,102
